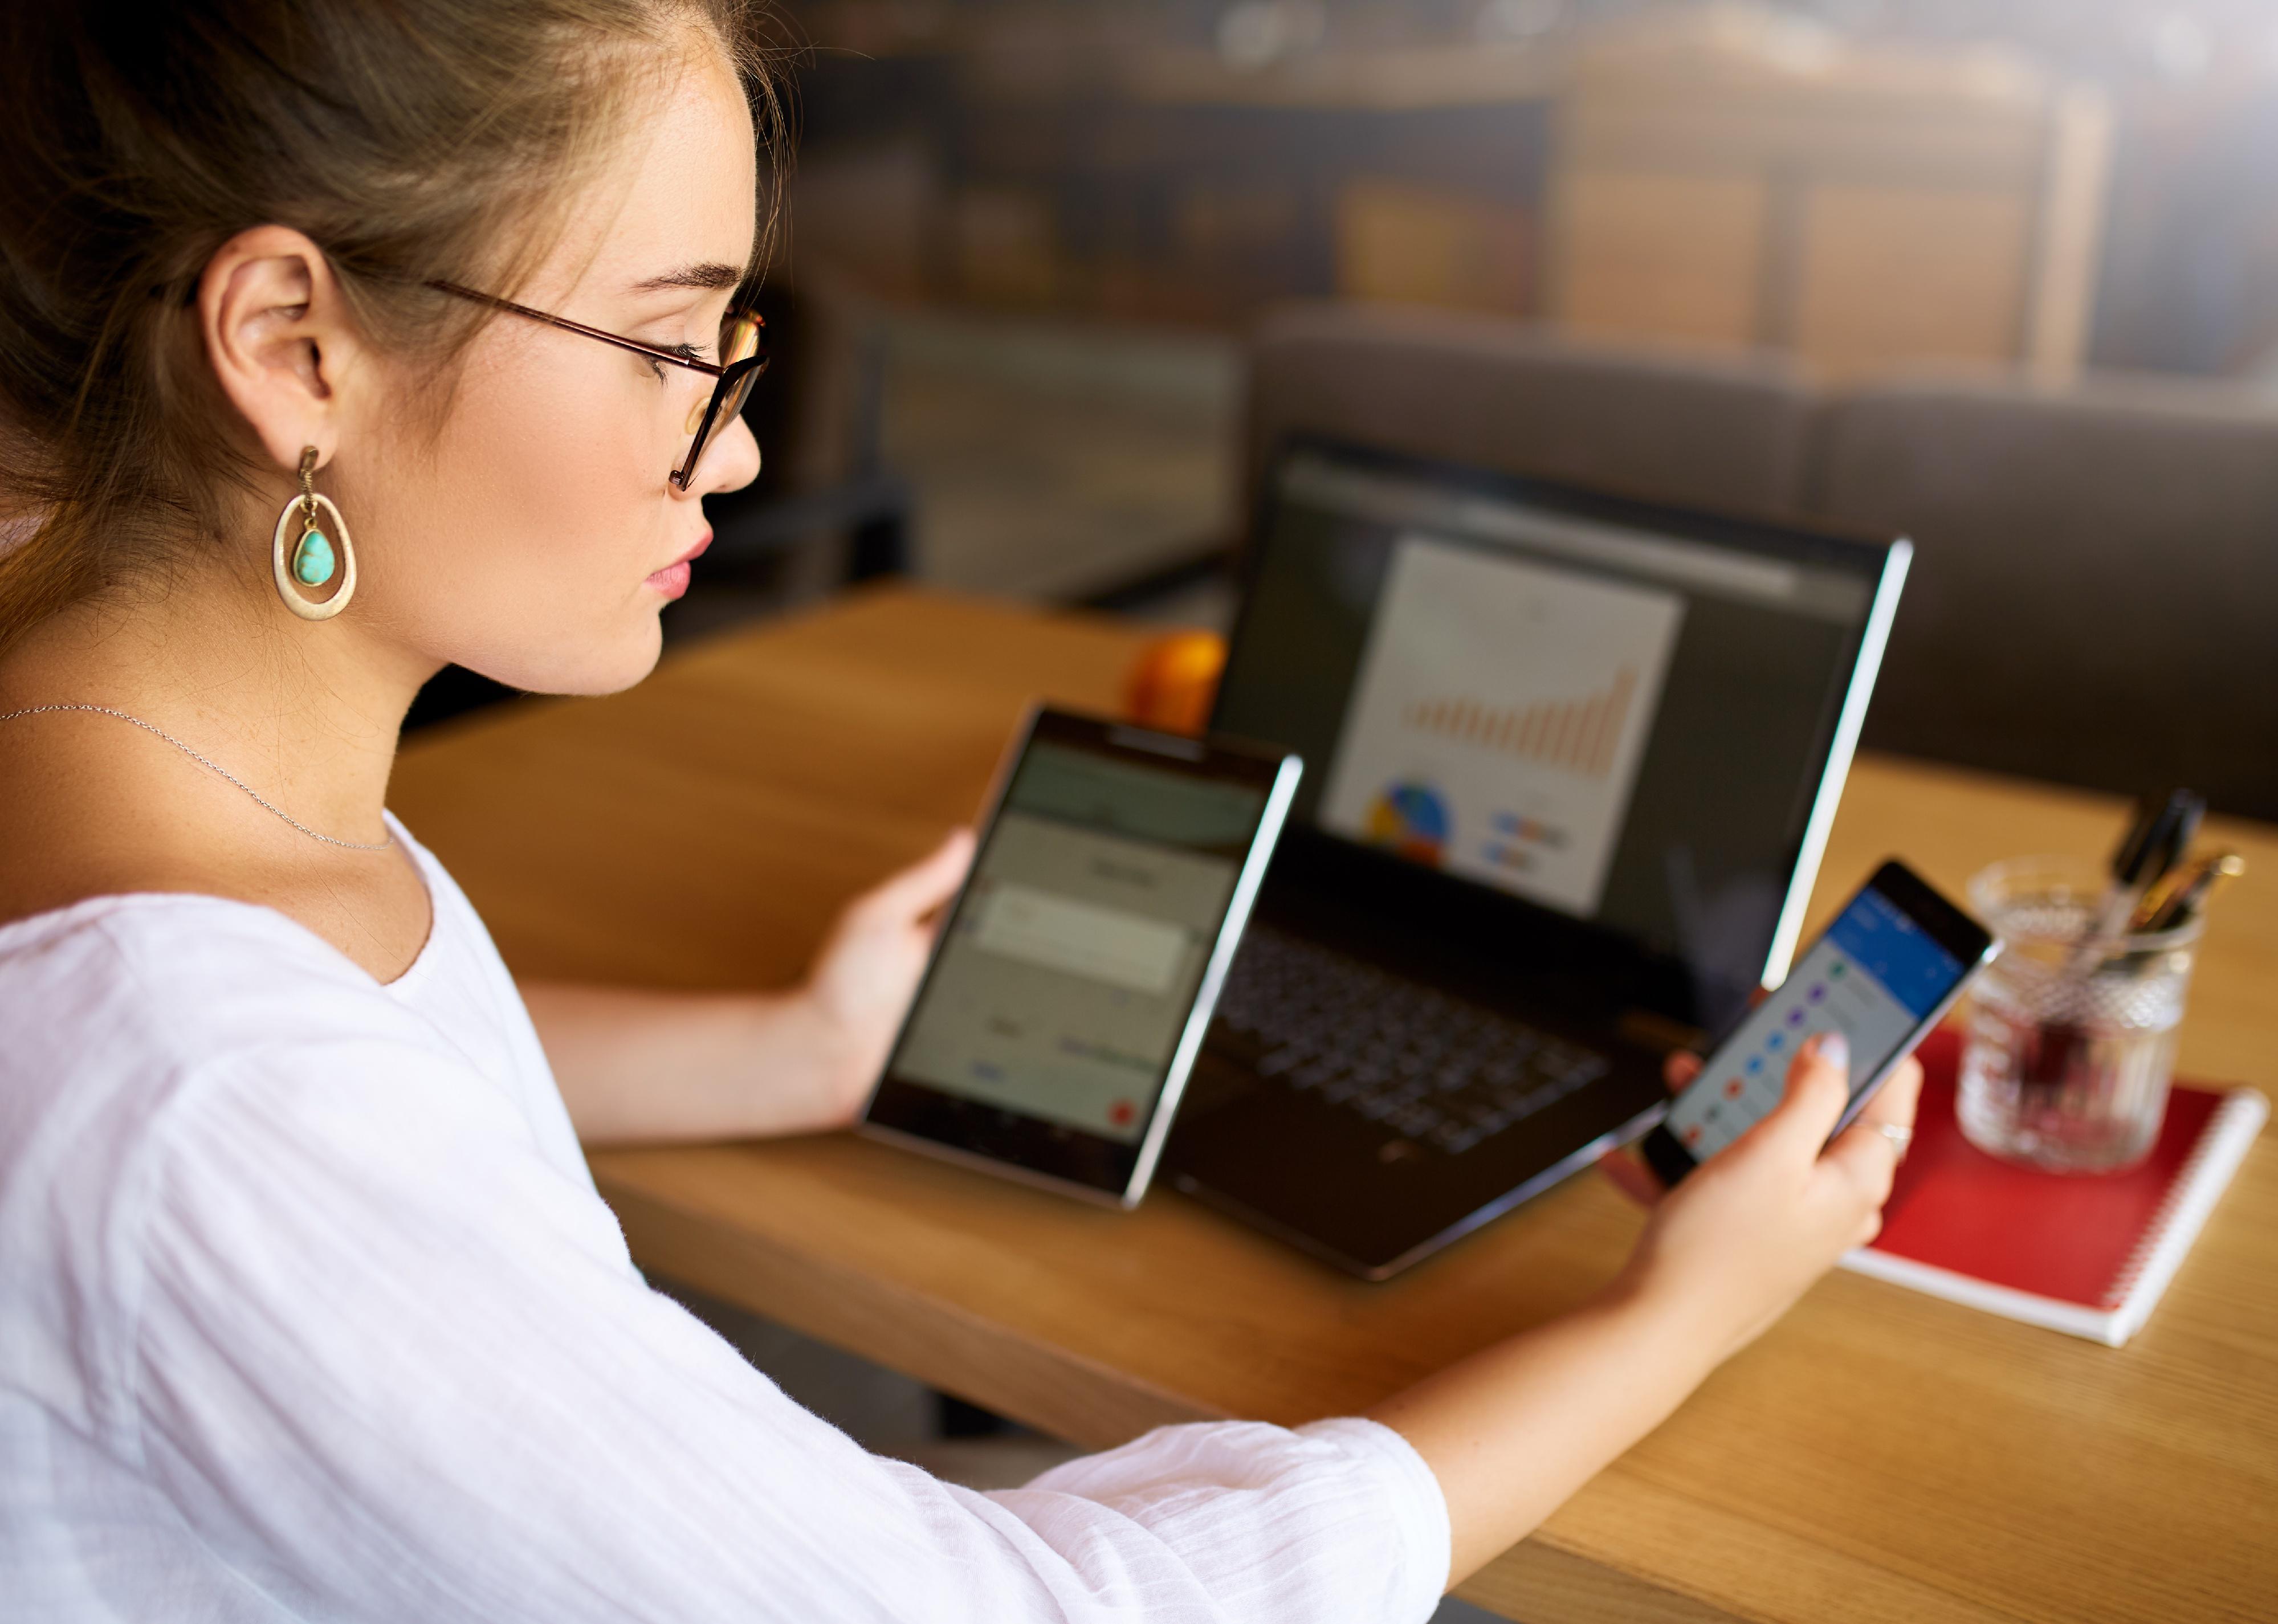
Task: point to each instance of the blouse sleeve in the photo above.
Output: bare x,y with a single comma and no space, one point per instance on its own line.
388,1363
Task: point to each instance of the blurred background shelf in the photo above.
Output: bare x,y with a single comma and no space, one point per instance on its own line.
1733,177
2004,275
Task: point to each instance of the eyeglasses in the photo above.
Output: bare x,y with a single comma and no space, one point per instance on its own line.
743,357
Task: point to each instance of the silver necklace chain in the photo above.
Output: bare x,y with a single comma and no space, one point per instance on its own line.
211,766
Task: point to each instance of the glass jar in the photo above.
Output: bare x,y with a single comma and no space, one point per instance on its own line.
2071,1041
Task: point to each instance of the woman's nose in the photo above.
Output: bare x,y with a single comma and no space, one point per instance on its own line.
730,462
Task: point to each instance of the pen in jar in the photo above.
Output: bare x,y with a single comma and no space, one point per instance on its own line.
2155,841
2186,895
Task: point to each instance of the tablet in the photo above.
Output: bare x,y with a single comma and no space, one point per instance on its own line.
1075,973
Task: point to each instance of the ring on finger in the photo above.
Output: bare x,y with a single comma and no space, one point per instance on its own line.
1900,1135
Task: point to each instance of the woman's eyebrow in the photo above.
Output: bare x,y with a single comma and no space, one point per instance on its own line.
711,275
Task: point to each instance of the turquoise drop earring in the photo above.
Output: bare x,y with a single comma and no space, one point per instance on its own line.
312,559
304,554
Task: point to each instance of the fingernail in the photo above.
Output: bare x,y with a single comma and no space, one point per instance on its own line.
1834,1049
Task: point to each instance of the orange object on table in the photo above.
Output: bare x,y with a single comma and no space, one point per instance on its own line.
1172,682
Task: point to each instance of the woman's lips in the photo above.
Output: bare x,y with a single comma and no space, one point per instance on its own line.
672,580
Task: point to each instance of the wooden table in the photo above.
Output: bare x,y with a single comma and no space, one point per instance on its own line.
1878,1455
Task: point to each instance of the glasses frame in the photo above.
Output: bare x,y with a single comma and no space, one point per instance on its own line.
734,376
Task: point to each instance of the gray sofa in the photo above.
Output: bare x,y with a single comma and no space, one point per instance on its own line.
2094,599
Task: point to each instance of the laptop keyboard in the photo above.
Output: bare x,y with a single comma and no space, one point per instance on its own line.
1434,1069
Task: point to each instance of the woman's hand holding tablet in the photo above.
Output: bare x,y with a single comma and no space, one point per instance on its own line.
1078,967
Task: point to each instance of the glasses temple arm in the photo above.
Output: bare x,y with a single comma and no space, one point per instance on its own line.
566,325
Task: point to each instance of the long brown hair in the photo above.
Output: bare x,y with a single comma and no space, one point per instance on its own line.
410,139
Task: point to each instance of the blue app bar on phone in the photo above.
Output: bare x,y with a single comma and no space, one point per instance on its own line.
1895,952
1875,976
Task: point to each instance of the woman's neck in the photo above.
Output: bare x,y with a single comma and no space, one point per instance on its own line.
307,713
304,714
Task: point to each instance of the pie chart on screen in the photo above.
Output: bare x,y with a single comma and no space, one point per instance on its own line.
1412,819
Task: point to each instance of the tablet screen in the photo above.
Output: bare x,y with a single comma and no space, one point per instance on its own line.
1069,971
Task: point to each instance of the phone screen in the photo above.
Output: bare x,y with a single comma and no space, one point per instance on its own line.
1069,971
1877,976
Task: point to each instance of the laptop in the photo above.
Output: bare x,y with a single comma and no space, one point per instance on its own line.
1570,763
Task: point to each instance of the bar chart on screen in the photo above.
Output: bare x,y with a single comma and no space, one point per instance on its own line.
1500,713
1577,733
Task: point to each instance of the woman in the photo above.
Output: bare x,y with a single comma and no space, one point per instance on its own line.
338,342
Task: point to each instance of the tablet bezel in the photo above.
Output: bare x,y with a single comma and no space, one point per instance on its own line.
930,1119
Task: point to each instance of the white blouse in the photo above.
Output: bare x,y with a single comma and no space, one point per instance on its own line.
309,1310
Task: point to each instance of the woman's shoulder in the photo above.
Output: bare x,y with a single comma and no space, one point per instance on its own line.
183,953
132,995
119,1010
188,1082
137,1024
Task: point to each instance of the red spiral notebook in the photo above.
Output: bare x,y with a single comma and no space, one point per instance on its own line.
2089,1256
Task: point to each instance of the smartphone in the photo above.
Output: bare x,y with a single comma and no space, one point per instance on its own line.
1077,969
1886,972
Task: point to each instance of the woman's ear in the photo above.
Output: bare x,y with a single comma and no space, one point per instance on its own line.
279,338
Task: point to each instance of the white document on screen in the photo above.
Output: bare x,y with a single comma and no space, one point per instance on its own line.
1499,719
1067,934
1066,978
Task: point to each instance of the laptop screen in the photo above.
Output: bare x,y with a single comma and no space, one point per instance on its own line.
1623,714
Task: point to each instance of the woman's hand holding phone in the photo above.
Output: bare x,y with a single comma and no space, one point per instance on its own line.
1515,1428
1741,1238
